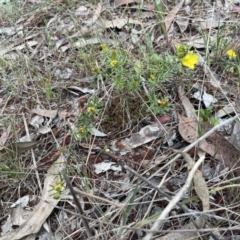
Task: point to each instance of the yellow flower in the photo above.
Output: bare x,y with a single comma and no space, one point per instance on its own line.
163,103
81,130
91,109
152,77
231,54
58,187
189,60
104,47
113,63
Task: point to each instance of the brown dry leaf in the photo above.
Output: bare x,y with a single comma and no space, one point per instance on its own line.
118,3
89,146
145,135
201,190
162,119
44,208
215,145
199,182
50,113
171,15
188,128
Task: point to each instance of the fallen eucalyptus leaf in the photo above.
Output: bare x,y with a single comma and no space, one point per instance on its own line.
97,133
215,145
105,166
20,147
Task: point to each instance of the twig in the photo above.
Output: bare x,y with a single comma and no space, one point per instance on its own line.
175,200
84,221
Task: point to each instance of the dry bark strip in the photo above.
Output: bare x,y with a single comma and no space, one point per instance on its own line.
215,145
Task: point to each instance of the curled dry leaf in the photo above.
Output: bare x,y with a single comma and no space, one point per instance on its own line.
97,133
50,113
145,135
215,145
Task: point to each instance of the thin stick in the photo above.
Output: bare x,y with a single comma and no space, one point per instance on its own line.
175,200
84,221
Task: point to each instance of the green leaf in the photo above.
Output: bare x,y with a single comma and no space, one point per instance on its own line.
128,210
4,167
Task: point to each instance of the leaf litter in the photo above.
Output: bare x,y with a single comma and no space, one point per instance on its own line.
45,69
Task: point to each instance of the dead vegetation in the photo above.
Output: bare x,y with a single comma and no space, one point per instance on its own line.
119,119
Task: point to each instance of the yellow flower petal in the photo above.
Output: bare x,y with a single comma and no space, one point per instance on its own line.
91,109
58,187
113,63
152,77
231,54
82,130
190,60
163,102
